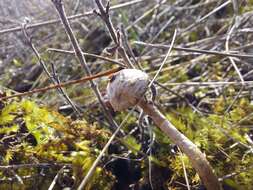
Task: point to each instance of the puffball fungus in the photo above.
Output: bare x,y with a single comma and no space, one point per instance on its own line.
126,88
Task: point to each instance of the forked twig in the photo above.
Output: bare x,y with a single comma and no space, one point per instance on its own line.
80,57
62,93
103,13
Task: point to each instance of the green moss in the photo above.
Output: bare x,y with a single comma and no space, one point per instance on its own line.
52,139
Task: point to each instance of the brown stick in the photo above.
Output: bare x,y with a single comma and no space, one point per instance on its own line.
198,160
81,59
64,84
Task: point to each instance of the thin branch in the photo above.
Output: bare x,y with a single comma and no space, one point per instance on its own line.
206,16
73,17
63,84
230,58
19,179
62,92
51,187
211,84
115,35
185,172
232,61
145,15
86,54
39,165
51,77
145,50
128,48
247,169
165,59
194,50
81,59
95,163
235,7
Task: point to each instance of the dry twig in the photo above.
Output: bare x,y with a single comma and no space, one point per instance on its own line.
78,52
51,77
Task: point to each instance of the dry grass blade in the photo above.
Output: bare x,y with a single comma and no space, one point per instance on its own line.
226,54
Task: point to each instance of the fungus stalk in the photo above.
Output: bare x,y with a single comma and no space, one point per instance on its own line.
127,88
